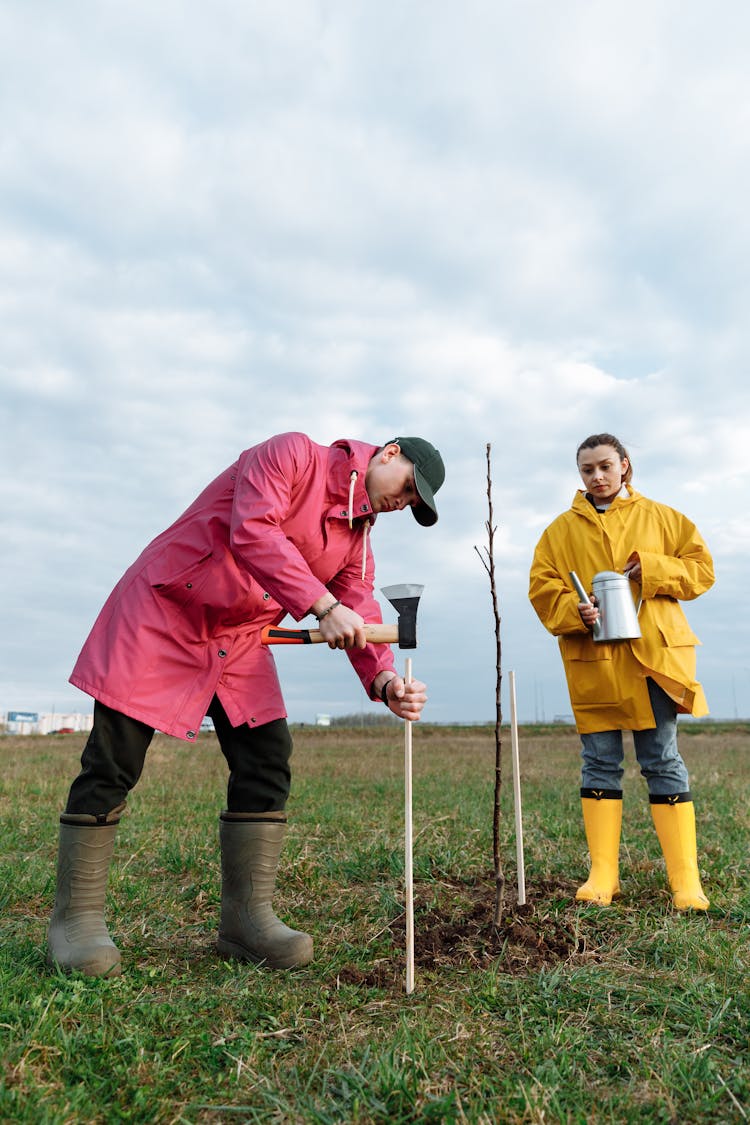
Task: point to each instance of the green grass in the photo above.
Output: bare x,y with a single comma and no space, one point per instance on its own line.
568,1014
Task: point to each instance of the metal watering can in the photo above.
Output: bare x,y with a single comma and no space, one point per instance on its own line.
618,614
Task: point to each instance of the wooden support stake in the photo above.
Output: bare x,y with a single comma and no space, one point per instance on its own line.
517,792
408,856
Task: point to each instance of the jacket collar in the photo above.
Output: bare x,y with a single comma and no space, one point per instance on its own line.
345,458
584,507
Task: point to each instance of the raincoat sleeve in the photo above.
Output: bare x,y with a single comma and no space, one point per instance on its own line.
684,570
267,478
551,593
358,593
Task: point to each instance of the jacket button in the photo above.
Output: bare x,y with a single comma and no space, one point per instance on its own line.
344,512
190,734
266,597
222,652
253,720
363,507
189,585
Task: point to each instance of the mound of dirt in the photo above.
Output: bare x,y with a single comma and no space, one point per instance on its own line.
528,938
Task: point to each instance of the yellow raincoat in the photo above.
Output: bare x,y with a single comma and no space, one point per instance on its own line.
607,682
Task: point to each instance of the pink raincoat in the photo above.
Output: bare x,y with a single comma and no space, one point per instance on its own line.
267,538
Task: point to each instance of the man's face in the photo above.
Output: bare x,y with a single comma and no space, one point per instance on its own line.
602,470
390,481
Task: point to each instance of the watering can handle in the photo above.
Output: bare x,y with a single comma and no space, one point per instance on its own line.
580,590
640,595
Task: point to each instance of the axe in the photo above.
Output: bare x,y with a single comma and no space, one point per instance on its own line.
404,598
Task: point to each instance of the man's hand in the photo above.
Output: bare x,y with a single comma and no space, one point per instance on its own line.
406,700
341,627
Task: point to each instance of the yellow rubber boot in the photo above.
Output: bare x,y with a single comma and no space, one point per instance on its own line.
602,819
674,820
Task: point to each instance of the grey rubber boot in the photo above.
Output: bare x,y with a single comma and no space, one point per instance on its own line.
249,930
78,937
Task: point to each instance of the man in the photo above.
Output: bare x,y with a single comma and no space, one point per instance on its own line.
284,530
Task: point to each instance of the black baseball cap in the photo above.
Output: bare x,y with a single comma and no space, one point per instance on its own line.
429,474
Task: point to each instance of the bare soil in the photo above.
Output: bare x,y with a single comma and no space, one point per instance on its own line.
528,938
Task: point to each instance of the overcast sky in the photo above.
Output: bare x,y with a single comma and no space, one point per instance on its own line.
485,222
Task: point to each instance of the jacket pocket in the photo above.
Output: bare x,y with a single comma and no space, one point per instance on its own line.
678,635
672,623
181,586
580,646
589,671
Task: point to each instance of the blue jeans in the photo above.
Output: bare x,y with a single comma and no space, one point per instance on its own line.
656,750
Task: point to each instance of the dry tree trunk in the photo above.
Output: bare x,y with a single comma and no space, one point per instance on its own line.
487,555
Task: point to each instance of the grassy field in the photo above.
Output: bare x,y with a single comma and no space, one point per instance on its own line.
566,1014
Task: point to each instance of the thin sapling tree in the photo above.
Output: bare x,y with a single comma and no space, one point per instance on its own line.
487,556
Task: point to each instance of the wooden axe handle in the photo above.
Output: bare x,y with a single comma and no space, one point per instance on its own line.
275,635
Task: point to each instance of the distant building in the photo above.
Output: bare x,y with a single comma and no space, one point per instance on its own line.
35,722
322,720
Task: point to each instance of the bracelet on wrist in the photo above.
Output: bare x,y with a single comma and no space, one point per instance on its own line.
384,691
326,611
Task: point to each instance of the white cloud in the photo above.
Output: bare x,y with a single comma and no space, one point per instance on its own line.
514,224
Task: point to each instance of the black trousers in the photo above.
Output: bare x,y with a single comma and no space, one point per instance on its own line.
113,758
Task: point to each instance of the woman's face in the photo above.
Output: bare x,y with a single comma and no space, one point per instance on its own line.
602,470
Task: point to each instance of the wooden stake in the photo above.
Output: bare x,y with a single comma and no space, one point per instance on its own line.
517,792
408,852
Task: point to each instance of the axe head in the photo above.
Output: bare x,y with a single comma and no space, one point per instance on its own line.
405,598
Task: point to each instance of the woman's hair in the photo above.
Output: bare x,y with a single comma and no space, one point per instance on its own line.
608,439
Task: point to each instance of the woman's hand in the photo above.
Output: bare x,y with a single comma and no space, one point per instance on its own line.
589,612
632,568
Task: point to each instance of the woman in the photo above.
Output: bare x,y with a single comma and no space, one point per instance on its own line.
636,685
